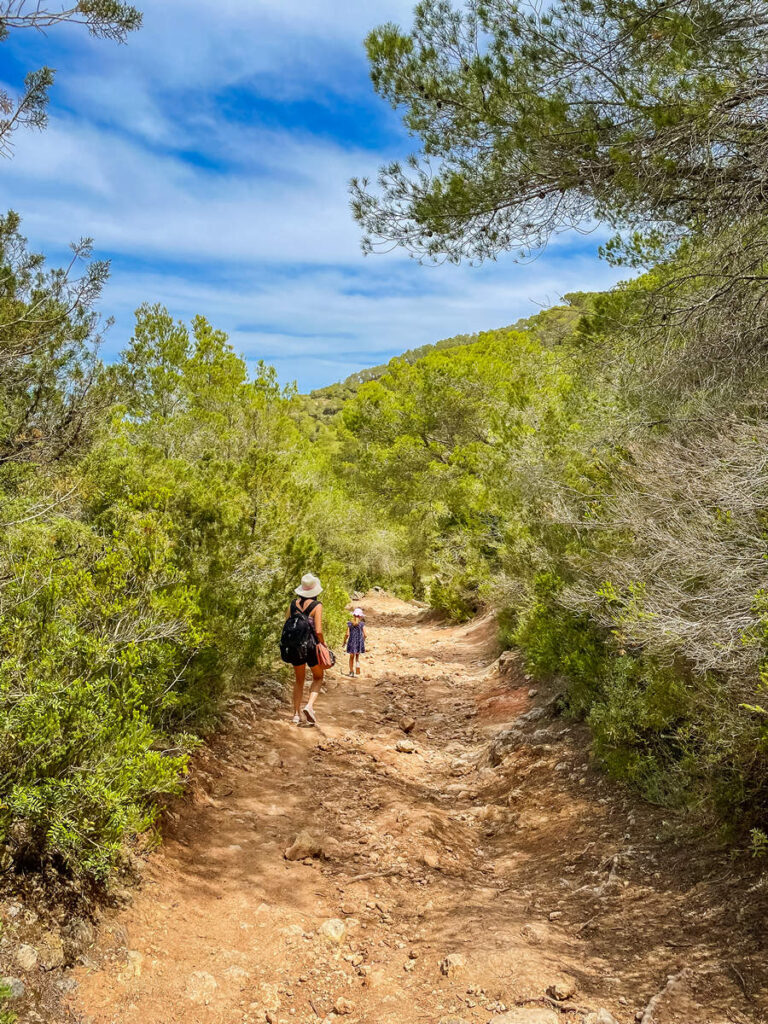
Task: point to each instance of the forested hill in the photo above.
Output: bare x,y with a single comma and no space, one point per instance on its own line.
317,408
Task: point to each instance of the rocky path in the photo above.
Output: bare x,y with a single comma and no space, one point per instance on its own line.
444,875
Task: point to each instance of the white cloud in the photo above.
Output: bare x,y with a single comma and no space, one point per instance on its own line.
318,327
247,224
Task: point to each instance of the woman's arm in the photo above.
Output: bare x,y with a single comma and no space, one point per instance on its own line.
317,615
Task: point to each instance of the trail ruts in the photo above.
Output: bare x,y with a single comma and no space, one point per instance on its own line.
455,890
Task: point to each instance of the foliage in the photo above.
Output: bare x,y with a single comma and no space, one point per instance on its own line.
155,518
595,473
316,410
107,19
6,1016
536,118
619,531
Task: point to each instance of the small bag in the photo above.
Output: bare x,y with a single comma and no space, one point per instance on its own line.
325,656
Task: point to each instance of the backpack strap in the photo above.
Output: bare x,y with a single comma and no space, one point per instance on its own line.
309,609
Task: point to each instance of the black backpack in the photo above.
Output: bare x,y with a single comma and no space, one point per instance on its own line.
298,642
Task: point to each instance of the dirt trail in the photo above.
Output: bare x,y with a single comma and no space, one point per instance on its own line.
530,892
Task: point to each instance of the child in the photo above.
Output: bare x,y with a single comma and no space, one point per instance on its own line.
354,641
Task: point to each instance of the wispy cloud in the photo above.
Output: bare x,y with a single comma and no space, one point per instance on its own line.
209,160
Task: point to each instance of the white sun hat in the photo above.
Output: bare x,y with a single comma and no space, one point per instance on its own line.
359,613
310,586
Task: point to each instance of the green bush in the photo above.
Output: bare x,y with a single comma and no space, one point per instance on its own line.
141,578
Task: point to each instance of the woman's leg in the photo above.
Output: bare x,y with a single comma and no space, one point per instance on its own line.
298,687
317,682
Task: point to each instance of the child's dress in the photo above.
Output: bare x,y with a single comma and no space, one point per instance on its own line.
356,641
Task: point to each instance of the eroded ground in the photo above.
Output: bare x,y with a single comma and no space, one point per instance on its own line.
528,891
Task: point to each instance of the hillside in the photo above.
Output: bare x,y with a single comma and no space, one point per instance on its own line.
318,408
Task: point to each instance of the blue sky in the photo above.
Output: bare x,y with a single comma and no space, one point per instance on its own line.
209,159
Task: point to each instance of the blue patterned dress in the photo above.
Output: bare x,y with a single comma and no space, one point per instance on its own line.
356,642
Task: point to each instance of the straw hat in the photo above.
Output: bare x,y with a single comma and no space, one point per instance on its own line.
310,586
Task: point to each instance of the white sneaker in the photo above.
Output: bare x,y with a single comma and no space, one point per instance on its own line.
310,715
296,719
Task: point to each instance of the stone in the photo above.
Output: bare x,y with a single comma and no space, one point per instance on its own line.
270,997
50,951
200,986
405,746
601,1017
343,1006
507,659
534,715
532,934
407,724
526,1015
80,934
452,964
333,930
453,1020
15,988
431,859
237,976
273,759
503,743
331,849
375,978
134,961
26,957
304,845
561,989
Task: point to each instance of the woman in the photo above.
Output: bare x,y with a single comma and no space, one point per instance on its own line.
305,604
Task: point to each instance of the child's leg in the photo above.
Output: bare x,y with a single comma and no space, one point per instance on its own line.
351,664
357,663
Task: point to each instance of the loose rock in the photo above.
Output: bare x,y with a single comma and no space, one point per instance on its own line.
133,965
16,989
375,979
200,986
430,859
532,934
526,1015
304,845
26,957
343,1006
562,989
405,746
333,930
237,976
452,964
407,724
273,759
80,933
601,1017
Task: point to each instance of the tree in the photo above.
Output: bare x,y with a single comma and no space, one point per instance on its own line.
537,118
49,337
106,19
